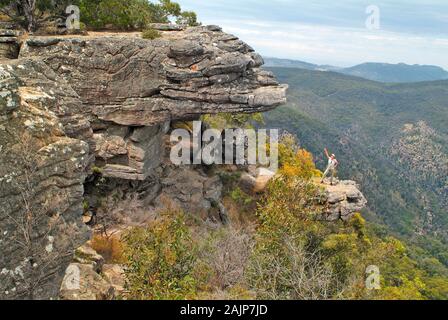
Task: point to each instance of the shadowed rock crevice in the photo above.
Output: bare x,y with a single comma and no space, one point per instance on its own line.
9,44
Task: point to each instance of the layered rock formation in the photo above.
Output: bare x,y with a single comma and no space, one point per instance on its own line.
9,44
73,105
129,83
342,201
41,182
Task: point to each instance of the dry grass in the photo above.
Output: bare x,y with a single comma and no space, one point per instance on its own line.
241,215
227,256
110,248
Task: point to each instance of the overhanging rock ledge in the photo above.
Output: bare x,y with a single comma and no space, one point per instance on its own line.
71,103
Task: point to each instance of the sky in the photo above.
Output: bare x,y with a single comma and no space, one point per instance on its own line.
335,32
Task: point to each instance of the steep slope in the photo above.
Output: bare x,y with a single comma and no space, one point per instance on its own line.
393,139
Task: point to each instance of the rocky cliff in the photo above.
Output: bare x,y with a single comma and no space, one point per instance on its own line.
72,107
104,101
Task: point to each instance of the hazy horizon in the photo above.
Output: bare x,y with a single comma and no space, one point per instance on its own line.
319,32
354,65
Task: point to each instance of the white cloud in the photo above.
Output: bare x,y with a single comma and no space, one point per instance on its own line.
338,45
413,31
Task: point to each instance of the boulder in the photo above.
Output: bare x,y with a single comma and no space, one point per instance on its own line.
87,255
256,180
342,201
114,274
82,282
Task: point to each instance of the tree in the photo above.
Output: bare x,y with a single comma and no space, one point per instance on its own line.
30,13
188,18
98,14
29,7
22,11
132,14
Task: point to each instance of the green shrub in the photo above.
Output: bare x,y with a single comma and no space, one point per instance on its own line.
131,14
240,197
160,260
151,34
97,170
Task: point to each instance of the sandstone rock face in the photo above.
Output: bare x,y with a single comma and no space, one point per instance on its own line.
89,278
189,190
127,83
343,201
41,182
114,274
73,105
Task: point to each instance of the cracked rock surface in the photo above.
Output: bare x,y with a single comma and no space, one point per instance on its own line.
70,104
125,83
342,200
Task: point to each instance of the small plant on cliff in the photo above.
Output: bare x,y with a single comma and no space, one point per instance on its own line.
223,121
151,34
295,162
110,248
97,170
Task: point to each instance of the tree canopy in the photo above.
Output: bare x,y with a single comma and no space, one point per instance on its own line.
98,14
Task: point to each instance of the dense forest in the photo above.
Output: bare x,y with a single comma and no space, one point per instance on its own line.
274,248
391,138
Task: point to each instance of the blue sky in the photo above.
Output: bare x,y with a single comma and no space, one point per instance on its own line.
334,32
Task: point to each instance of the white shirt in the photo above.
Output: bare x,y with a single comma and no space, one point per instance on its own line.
332,162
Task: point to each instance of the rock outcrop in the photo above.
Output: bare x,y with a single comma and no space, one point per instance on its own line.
83,282
73,105
9,44
256,180
89,278
41,182
129,83
342,201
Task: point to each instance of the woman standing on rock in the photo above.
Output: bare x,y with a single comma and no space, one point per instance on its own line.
332,165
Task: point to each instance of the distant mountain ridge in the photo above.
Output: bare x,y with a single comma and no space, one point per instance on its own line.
289,63
380,72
